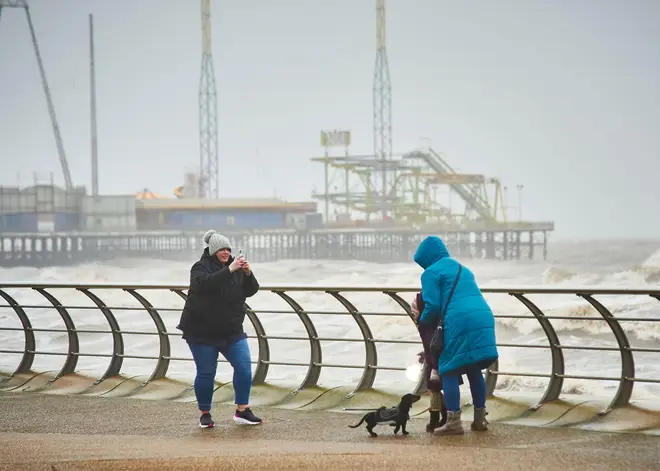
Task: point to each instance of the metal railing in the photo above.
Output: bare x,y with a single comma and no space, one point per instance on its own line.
315,364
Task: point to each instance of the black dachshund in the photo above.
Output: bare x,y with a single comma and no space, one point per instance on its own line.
397,416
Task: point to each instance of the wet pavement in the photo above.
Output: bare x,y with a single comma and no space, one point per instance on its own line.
59,432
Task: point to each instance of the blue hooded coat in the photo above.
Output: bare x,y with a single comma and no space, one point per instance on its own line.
469,322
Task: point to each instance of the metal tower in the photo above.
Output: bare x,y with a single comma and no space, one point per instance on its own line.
44,82
92,110
382,96
208,113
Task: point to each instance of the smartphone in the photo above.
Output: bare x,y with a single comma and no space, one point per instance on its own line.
240,253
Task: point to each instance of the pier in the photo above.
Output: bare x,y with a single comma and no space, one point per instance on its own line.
513,242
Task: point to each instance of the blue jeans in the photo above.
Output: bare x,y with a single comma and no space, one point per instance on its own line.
453,393
206,361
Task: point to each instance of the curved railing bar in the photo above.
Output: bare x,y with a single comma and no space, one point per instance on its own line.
74,345
557,376
315,352
626,384
160,371
180,293
401,302
263,360
491,378
114,368
371,354
260,374
25,366
420,387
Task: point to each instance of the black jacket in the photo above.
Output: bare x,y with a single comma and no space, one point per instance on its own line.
214,311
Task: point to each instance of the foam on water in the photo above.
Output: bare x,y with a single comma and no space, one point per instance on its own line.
605,264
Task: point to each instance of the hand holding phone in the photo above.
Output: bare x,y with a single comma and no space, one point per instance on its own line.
244,265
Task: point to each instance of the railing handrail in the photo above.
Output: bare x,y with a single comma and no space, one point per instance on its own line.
519,289
622,397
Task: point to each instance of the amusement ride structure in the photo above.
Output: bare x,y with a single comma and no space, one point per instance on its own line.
415,188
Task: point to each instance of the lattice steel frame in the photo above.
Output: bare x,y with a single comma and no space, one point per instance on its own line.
382,101
208,113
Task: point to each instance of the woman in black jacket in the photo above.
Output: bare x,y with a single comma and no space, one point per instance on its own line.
212,323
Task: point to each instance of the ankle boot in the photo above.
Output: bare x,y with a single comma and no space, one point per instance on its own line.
443,421
480,423
439,407
453,425
434,421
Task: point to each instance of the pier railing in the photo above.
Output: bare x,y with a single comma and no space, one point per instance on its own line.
13,294
385,245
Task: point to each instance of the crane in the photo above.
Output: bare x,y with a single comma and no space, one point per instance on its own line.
44,82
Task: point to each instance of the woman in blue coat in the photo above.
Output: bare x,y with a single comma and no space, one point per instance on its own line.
469,329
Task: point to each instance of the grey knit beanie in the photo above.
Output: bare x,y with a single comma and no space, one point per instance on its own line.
216,241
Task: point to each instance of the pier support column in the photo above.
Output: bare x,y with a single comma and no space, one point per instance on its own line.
490,245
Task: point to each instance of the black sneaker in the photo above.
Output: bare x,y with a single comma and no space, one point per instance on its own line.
205,421
246,417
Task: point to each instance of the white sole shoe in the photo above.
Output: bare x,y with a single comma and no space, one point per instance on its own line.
242,421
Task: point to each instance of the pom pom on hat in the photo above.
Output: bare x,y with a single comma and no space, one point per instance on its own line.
208,235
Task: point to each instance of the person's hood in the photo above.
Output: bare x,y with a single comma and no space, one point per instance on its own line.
430,251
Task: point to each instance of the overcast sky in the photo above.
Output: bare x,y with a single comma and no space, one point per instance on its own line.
561,96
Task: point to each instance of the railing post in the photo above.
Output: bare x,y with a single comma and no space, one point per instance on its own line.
371,354
627,382
30,343
74,346
114,368
491,378
160,371
315,352
261,372
556,380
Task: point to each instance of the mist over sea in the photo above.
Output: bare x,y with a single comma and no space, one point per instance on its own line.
607,264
